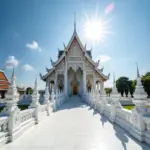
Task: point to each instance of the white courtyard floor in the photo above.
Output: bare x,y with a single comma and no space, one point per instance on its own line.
75,127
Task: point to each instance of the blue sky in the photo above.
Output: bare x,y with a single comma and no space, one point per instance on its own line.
32,30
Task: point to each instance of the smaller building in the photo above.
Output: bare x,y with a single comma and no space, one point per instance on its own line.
3,84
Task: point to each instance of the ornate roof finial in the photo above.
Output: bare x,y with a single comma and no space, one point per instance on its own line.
3,68
138,74
64,45
74,22
91,48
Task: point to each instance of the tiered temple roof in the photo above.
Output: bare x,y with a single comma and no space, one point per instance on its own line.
61,55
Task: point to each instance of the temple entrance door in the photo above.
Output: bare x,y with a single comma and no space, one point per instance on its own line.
75,89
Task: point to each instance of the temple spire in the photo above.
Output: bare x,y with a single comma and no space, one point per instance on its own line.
138,74
35,84
74,22
13,73
114,79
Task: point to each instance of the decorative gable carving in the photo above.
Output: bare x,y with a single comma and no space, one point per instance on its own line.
75,53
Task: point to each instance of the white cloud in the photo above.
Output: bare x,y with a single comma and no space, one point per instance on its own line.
11,62
103,58
33,46
27,67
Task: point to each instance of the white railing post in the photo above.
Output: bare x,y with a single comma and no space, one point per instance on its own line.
103,101
35,102
46,100
11,109
53,99
115,104
140,109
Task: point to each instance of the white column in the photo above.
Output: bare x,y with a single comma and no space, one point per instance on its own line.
94,82
55,81
84,81
66,79
101,86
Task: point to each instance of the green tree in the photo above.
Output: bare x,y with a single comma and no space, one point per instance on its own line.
29,90
108,91
146,83
122,85
131,85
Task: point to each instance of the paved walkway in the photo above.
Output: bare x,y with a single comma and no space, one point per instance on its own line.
75,127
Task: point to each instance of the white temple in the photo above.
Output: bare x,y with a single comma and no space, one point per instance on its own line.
74,73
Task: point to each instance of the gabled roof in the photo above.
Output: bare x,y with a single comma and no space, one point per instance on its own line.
75,36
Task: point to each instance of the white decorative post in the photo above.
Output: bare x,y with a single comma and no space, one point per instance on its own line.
46,99
35,102
115,104
103,99
140,109
97,97
11,109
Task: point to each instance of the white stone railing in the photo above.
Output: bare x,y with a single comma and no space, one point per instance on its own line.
4,130
11,127
60,99
107,110
27,115
122,117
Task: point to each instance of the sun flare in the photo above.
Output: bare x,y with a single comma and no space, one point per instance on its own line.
96,30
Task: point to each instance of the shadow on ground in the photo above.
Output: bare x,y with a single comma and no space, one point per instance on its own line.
122,135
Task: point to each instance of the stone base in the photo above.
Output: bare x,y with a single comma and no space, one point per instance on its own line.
136,133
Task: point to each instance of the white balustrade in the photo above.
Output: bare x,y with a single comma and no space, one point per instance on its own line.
3,130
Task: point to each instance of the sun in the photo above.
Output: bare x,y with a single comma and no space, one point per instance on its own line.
96,30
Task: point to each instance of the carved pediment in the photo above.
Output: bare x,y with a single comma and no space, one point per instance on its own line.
75,49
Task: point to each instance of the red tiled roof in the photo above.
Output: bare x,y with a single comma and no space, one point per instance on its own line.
5,87
3,81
